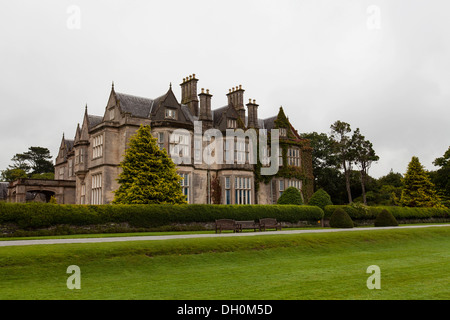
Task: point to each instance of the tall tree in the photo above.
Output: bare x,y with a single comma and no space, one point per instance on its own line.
33,163
340,133
364,155
325,166
441,177
148,174
323,156
419,191
39,159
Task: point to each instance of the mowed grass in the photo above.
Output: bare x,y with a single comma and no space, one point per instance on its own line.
414,264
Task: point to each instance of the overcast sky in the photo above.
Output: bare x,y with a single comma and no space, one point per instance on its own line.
381,66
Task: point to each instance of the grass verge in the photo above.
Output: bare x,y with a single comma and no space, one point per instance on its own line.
305,266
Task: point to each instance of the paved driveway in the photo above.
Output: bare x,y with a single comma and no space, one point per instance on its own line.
8,243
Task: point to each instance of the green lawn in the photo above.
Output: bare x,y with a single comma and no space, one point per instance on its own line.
414,264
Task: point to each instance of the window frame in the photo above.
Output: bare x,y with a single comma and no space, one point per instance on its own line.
170,113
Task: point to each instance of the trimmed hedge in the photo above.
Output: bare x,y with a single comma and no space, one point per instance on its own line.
340,219
30,216
385,219
400,213
321,199
290,196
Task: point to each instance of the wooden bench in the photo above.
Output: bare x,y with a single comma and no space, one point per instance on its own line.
226,224
247,225
269,223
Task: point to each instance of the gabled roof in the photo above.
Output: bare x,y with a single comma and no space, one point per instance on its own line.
269,123
217,114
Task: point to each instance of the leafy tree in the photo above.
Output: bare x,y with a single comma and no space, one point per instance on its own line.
35,161
39,159
392,179
342,148
364,155
12,174
441,177
290,196
323,158
148,174
419,191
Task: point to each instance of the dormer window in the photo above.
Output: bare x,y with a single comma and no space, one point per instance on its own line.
282,132
231,123
171,113
111,114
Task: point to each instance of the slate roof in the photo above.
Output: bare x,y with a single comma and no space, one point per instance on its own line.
138,106
94,120
269,123
217,114
69,143
143,107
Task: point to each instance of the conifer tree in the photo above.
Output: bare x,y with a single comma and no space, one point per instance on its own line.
419,191
148,174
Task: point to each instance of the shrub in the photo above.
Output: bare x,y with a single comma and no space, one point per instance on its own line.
290,196
400,213
385,219
321,199
340,219
351,211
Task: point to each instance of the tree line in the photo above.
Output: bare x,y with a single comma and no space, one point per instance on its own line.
341,163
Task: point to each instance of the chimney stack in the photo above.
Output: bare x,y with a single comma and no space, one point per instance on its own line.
189,93
236,98
252,108
205,107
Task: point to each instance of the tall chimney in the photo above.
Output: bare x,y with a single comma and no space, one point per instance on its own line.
205,106
236,98
189,93
252,108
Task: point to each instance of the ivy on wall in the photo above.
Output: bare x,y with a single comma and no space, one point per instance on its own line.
304,172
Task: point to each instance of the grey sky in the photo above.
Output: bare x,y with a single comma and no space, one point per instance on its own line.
326,60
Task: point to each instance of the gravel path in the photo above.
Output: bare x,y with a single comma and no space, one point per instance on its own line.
7,243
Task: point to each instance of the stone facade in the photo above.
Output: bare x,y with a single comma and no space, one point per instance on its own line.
91,160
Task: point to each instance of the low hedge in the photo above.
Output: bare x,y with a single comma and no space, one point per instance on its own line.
43,215
400,213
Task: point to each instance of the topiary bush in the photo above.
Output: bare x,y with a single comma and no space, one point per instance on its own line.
321,199
385,219
340,219
290,196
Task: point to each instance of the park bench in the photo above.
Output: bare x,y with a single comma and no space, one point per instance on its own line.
269,223
247,225
226,224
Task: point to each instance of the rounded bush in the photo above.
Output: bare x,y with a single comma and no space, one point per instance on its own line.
321,199
340,219
290,196
385,219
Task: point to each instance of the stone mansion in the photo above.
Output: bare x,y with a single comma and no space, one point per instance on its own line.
88,165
